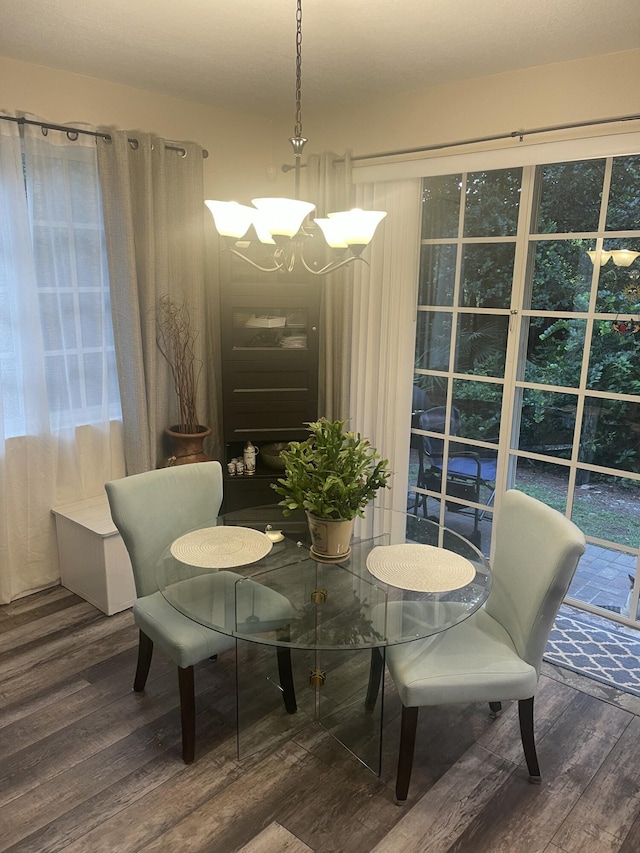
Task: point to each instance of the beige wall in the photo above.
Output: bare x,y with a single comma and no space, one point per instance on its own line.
242,149
582,90
239,146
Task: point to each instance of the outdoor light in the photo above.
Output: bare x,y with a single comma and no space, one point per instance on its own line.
624,257
282,223
620,257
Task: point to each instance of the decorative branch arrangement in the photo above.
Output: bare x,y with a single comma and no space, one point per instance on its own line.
176,341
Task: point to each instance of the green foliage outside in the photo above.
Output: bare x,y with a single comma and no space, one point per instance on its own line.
560,273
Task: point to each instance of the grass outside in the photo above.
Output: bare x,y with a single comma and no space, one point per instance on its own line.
607,509
604,510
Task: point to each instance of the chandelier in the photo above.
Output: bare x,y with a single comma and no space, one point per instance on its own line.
282,224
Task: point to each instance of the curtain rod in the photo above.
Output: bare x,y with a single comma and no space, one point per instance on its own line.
499,136
71,131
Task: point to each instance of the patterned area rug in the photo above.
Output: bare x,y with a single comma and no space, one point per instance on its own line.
608,656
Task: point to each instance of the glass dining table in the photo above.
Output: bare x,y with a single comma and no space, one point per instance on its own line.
252,577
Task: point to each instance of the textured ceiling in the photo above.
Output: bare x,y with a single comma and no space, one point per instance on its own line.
240,54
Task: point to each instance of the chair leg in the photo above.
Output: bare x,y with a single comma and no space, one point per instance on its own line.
496,707
375,678
285,673
525,713
145,652
408,728
187,713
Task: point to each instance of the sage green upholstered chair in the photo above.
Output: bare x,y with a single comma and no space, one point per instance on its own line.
496,654
150,511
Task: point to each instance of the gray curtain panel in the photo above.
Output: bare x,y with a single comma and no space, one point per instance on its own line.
153,201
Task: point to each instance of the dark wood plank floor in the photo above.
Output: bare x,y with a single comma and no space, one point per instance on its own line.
87,766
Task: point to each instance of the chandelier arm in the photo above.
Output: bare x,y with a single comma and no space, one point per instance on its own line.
238,254
332,265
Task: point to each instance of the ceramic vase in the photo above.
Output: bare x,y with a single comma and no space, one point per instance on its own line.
186,447
330,538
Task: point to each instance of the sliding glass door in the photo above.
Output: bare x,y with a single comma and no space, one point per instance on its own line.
527,368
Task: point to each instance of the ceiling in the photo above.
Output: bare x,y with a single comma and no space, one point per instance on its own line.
240,54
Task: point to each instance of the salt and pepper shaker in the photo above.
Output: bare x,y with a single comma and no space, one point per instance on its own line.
249,457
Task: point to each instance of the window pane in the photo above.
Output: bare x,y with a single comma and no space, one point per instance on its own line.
433,340
607,508
437,275
614,360
562,275
554,350
619,285
479,405
547,423
491,203
602,578
476,463
481,344
441,206
544,481
623,212
58,318
570,196
610,434
429,391
487,275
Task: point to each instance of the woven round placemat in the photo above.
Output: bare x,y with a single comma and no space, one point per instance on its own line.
423,568
221,547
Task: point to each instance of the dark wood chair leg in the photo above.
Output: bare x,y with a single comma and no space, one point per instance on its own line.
408,728
525,713
285,673
375,678
496,707
187,713
145,653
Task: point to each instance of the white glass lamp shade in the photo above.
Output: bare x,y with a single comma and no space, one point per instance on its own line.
262,228
358,226
283,217
604,257
623,257
333,232
231,219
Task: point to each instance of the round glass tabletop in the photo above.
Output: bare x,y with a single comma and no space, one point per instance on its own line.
251,576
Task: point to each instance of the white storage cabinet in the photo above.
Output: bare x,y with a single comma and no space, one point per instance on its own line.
94,562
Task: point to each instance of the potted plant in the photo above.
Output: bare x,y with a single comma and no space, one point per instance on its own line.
176,341
332,476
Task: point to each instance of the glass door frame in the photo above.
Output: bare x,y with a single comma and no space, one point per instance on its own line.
513,382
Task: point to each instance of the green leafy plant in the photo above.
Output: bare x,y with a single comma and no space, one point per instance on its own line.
333,474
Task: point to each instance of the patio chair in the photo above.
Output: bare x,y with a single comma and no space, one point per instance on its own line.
467,471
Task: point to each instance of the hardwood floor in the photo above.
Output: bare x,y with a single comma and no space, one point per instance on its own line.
87,766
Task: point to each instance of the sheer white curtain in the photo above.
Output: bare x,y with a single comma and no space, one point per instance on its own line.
60,430
329,185
384,317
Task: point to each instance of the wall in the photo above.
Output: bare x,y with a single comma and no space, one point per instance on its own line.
239,145
599,87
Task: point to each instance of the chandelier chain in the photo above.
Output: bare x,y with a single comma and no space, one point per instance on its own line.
298,124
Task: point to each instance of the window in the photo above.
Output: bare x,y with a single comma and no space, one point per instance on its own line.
528,333
56,339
